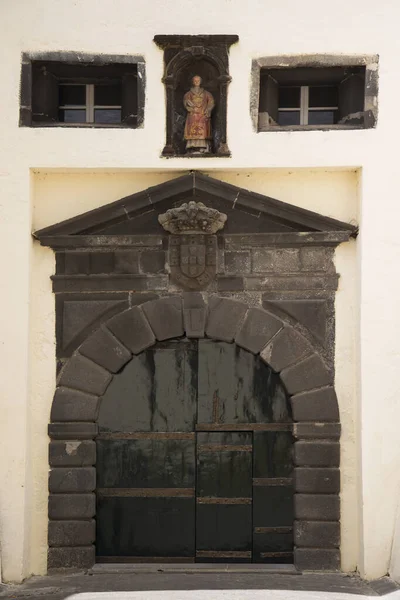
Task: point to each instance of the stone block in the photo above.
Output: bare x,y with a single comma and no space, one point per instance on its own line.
72,506
305,375
287,348
237,262
317,454
132,329
317,559
72,480
318,405
81,557
316,481
224,318
230,284
105,350
136,299
276,260
194,314
73,453
82,374
312,313
152,261
316,430
165,317
71,533
77,263
317,258
101,262
72,431
257,330
316,534
72,405
317,507
126,261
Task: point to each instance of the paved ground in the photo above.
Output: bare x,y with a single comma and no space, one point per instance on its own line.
232,585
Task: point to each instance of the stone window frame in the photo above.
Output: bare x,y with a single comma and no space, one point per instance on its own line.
78,58
286,61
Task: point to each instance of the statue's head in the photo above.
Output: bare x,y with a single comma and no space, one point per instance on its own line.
196,81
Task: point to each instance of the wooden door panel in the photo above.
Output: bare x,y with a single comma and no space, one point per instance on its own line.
145,527
272,455
223,531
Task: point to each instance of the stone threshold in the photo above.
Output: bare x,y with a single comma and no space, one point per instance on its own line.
114,568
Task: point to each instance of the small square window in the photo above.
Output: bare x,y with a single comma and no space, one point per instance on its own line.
81,91
314,97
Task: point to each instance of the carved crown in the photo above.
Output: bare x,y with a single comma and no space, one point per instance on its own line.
192,217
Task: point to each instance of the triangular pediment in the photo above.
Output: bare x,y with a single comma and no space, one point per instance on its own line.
248,212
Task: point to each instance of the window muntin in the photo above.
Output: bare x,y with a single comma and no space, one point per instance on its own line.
90,103
308,105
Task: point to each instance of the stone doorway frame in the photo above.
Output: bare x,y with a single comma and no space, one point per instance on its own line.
87,374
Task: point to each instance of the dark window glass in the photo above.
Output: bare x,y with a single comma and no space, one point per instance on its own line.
289,97
72,116
72,95
107,115
323,96
107,95
289,117
322,117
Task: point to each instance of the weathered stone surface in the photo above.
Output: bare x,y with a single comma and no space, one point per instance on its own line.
73,405
224,318
132,329
317,454
152,261
82,374
317,258
257,330
126,261
101,262
105,350
318,405
277,260
287,348
74,480
76,262
194,314
305,375
112,282
317,559
312,313
237,262
72,453
317,507
71,533
165,317
72,431
316,481
72,506
81,557
230,284
316,430
314,534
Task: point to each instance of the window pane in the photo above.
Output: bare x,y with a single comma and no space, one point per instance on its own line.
323,96
289,97
107,115
72,116
107,95
322,117
289,117
72,95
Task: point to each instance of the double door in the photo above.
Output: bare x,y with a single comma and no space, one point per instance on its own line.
203,480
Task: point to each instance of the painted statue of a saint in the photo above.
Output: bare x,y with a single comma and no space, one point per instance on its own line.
199,104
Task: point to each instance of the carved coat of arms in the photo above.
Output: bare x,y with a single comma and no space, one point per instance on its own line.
193,243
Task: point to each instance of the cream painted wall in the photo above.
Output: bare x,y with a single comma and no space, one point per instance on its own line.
129,158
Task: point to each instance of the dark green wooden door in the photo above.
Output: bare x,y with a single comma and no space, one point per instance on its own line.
194,458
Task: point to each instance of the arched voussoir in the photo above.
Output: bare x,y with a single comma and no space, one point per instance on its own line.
165,317
81,373
285,349
103,348
257,329
308,374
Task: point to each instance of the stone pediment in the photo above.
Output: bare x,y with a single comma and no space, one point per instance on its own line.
247,213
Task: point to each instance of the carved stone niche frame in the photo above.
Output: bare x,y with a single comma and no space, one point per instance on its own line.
184,57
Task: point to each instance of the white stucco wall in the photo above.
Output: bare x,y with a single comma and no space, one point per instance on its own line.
102,165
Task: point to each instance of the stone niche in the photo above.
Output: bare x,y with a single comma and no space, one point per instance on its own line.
117,292
184,57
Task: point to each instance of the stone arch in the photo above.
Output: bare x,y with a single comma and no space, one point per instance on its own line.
90,370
